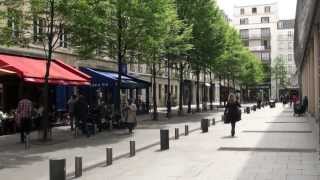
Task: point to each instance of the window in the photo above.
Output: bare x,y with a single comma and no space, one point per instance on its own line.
244,33
267,9
148,69
290,45
265,56
176,90
13,26
160,90
242,11
264,19
244,21
63,39
139,68
290,57
245,43
290,34
38,29
254,10
131,67
266,44
265,32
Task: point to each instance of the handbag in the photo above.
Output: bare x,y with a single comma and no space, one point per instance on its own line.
226,117
238,114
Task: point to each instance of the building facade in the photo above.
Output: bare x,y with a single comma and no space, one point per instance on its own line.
307,51
286,50
257,25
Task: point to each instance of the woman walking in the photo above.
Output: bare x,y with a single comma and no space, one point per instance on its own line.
233,113
131,118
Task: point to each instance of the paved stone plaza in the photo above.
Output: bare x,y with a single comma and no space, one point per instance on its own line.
269,144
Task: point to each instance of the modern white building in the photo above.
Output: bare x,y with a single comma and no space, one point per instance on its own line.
260,30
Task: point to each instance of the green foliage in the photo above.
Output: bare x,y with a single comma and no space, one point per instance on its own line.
207,30
279,72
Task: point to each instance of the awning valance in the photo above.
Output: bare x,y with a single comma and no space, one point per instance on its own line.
102,78
33,70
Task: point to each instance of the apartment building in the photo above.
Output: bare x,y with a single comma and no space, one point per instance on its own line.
307,52
286,50
257,25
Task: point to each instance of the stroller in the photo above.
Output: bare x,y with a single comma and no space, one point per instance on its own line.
300,109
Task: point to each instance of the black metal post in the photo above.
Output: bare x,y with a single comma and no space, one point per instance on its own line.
132,148
176,133
205,125
57,169
109,156
78,166
164,139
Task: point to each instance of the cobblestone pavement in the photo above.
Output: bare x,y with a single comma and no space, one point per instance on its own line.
33,164
270,144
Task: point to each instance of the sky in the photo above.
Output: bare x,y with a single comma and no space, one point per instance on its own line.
286,10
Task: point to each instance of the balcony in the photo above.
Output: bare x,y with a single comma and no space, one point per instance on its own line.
259,48
256,36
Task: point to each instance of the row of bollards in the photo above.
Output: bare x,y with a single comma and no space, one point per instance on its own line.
57,167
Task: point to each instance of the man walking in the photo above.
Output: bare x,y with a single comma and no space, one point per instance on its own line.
24,110
71,103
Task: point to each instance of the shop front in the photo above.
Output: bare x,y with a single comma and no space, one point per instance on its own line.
21,75
104,85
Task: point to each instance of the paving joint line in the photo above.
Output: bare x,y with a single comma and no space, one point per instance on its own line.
70,175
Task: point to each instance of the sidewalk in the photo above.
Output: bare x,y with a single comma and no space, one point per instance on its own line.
270,144
17,164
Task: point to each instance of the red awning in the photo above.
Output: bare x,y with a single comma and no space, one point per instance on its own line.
33,70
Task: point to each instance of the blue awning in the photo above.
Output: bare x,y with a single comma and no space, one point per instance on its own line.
102,78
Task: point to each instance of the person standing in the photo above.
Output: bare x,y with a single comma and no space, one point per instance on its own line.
132,116
81,114
71,103
24,113
233,112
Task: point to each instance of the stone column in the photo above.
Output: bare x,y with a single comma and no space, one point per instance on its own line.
316,71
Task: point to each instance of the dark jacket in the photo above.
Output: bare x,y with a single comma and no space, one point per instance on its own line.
81,109
233,111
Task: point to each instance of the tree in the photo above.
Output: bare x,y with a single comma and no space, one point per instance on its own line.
206,20
279,73
20,21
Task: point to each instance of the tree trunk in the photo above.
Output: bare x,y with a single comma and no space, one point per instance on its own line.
211,92
46,78
220,90
154,91
204,96
234,85
119,54
169,91
197,91
190,98
228,81
181,89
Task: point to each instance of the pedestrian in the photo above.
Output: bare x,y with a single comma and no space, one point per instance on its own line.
233,112
71,103
131,115
24,113
80,112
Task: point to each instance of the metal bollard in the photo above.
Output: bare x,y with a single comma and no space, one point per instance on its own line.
204,125
186,130
132,148
27,141
57,169
109,157
164,139
78,166
222,118
213,121
176,133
